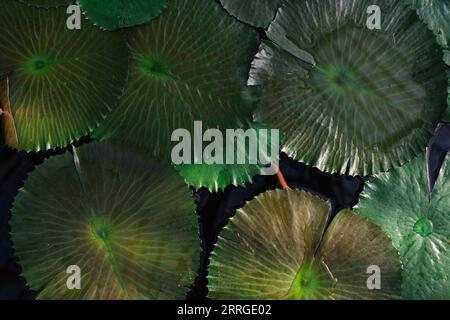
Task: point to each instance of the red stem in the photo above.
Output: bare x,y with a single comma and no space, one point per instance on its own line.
281,179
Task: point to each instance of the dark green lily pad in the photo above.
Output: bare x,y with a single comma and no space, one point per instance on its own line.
188,64
215,177
258,13
62,83
126,220
114,14
348,99
276,247
420,229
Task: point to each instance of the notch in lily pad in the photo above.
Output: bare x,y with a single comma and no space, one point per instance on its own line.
258,13
437,152
279,247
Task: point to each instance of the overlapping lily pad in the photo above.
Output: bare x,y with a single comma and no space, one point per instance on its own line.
249,158
277,248
126,220
62,83
419,228
113,14
258,13
188,64
349,99
436,14
217,177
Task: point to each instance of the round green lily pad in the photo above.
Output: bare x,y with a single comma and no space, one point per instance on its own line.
420,229
188,64
350,100
62,82
257,13
114,14
277,247
126,220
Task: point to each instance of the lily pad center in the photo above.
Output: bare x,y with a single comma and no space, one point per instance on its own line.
38,65
307,282
342,79
101,229
154,68
423,227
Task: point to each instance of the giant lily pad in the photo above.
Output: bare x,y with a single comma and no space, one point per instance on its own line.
419,228
349,99
113,14
126,220
258,13
62,83
277,248
188,64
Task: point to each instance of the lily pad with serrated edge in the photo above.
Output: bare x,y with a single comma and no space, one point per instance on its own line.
188,64
125,219
62,82
258,13
350,100
436,14
277,247
420,229
114,14
215,176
